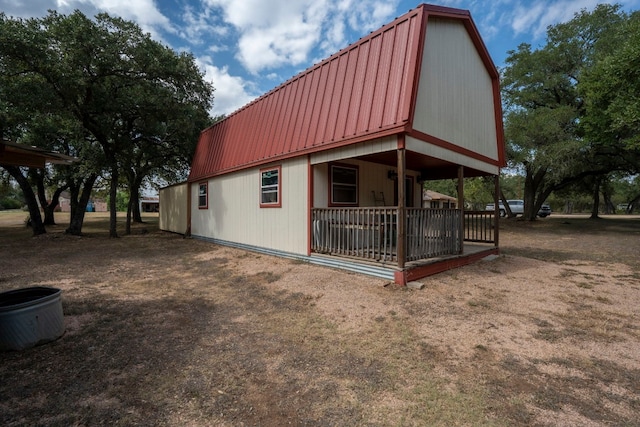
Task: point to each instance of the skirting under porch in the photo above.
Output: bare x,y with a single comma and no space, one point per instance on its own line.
415,270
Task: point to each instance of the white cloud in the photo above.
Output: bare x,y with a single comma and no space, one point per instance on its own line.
285,32
143,12
26,9
534,19
200,25
231,92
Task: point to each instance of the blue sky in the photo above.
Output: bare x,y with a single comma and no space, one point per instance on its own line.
247,47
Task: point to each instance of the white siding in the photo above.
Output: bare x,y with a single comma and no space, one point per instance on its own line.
371,177
173,208
455,93
235,215
422,147
379,145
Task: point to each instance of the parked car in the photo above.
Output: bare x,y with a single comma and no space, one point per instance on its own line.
517,208
545,210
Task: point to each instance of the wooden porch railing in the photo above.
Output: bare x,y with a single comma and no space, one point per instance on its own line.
371,233
479,226
432,233
368,233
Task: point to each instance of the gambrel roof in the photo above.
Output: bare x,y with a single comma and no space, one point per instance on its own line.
365,91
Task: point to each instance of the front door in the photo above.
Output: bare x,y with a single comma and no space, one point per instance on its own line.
408,193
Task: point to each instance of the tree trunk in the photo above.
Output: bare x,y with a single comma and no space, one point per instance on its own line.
568,206
632,204
605,186
507,208
609,208
532,186
113,193
79,204
127,227
135,211
134,198
47,206
30,197
596,199
37,176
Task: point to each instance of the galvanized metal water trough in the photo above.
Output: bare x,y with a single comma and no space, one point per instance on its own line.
30,316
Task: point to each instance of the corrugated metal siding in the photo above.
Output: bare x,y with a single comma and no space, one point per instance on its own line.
234,213
450,155
455,100
362,90
173,208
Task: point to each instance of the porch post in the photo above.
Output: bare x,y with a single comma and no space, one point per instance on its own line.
461,207
496,205
402,214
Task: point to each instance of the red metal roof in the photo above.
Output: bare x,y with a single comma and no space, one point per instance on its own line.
364,91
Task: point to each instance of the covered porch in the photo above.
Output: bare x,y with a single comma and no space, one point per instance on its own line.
411,241
434,240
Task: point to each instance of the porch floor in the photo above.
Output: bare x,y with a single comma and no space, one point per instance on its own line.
413,270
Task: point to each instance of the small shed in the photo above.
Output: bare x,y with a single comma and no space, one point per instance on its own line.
433,199
149,204
328,166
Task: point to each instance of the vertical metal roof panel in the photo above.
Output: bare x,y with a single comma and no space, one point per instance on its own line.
314,123
326,103
365,91
309,124
396,73
270,140
265,130
382,80
336,99
369,84
355,105
295,112
344,108
301,113
413,54
255,135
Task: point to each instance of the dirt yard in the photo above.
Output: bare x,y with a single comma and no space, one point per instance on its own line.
166,331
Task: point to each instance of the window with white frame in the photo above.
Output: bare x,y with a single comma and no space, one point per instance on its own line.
270,187
203,196
343,185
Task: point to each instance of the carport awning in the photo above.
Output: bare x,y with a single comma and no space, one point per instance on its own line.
13,154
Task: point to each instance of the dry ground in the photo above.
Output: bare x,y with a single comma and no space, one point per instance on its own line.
162,330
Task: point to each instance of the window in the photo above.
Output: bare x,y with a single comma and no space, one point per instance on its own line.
343,185
203,199
270,187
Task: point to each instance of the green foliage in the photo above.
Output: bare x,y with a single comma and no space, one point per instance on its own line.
477,191
612,91
122,200
104,91
10,203
550,109
443,186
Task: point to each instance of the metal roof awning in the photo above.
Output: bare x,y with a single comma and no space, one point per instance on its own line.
14,154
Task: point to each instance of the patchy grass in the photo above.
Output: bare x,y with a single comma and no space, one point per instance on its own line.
569,239
162,330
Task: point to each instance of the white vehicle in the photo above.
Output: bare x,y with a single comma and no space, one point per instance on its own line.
517,208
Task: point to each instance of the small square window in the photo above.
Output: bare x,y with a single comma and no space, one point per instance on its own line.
203,196
270,187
